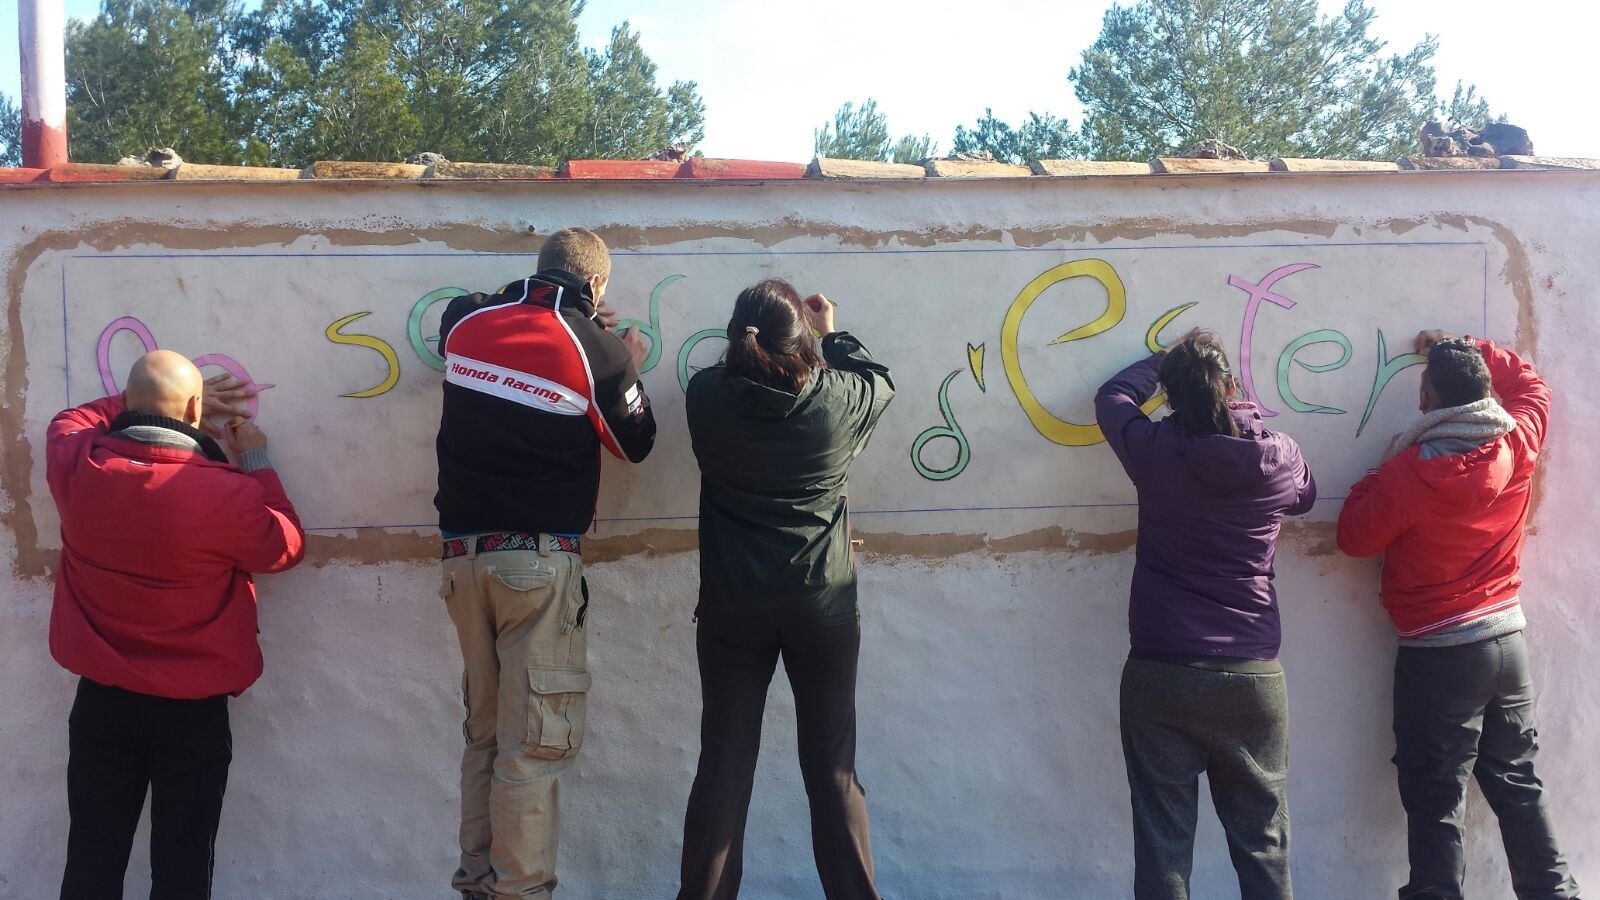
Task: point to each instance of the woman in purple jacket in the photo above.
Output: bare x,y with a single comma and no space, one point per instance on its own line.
1203,690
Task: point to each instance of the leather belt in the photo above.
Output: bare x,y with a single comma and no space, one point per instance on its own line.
510,540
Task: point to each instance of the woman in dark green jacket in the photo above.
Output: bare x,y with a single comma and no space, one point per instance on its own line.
774,430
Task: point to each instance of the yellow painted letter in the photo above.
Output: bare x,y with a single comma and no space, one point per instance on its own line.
1058,430
371,343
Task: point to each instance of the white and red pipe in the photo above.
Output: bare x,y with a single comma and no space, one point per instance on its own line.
42,28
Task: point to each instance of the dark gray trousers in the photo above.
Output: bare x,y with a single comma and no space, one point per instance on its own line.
1178,722
1462,712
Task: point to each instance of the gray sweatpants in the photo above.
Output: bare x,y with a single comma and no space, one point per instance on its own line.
1178,722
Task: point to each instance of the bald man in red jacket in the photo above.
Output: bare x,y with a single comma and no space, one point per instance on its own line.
156,610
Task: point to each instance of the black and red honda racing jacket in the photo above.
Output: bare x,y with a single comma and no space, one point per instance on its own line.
533,387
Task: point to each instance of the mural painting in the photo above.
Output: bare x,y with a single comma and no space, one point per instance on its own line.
1310,328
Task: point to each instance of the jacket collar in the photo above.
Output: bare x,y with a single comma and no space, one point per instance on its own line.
554,289
1248,417
767,402
161,431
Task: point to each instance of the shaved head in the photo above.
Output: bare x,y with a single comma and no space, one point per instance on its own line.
165,383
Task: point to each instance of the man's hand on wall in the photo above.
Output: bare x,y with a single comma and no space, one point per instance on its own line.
1426,339
244,435
223,400
636,344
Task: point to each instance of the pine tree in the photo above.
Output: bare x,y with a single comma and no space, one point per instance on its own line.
862,132
1271,77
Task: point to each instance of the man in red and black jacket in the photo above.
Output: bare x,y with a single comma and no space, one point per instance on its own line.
535,385
1446,508
156,610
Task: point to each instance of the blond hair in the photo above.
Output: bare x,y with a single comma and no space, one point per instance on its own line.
578,251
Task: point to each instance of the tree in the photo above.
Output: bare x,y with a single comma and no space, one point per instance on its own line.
360,108
273,108
627,115
10,132
1467,109
151,73
1271,77
474,80
863,133
911,149
1040,137
298,80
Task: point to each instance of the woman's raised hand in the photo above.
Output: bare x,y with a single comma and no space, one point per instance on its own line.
819,312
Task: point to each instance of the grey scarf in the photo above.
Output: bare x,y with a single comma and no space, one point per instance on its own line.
1476,423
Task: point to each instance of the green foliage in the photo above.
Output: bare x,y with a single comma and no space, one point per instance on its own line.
1041,136
1271,77
10,132
151,73
627,116
863,133
856,133
1467,109
360,106
912,149
298,80
483,81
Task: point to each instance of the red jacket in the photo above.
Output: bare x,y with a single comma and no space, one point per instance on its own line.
1451,527
153,593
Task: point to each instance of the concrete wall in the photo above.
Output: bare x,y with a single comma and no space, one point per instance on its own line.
998,527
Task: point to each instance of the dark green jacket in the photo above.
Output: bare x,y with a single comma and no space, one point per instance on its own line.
774,518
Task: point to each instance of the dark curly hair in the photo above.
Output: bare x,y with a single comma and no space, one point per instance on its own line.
1456,373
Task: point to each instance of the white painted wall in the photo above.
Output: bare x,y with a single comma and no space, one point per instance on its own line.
988,680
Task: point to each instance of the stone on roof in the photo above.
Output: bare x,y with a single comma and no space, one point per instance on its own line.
1448,162
1547,162
1287,164
1181,165
829,167
444,168
1079,167
972,168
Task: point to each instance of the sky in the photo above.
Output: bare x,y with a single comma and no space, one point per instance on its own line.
770,72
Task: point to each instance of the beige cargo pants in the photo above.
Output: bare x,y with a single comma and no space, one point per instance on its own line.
519,615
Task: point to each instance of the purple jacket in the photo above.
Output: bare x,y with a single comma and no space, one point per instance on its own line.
1209,511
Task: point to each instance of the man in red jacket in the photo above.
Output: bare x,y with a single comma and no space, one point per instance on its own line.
155,609
1447,508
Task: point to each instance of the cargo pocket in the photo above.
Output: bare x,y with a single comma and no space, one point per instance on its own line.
557,712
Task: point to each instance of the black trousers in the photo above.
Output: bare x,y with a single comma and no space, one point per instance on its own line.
122,744
736,666
1178,722
1465,712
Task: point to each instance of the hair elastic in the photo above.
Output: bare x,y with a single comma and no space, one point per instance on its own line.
751,329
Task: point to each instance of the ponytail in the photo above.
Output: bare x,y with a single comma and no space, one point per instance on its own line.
768,342
1198,382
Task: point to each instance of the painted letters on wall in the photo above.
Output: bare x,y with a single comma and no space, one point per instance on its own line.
996,352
